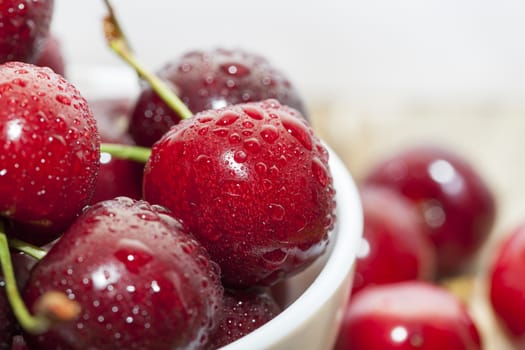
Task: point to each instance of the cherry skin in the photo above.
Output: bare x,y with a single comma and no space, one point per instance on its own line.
507,286
395,245
51,56
457,205
24,26
208,80
407,315
116,177
142,282
252,183
243,312
50,152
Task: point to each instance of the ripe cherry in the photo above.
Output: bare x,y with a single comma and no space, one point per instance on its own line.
50,151
24,26
141,281
209,80
407,315
507,285
243,312
395,245
456,203
116,177
251,181
51,56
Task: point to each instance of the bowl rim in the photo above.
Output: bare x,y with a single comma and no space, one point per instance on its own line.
338,266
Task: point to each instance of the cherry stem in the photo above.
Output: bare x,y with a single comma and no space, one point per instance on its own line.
27,248
118,43
135,153
32,324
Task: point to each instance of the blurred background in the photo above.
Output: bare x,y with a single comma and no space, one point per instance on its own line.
377,75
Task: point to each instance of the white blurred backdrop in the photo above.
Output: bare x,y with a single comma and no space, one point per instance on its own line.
356,51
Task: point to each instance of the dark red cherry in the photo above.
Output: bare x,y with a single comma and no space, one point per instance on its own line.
50,151
209,80
24,26
51,56
141,281
455,201
116,177
252,182
407,316
507,285
243,312
395,245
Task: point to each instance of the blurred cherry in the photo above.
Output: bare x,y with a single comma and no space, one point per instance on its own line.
457,205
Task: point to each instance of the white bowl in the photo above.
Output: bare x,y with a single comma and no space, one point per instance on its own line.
318,295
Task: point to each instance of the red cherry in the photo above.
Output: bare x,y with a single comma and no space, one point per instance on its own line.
395,245
243,312
252,183
51,56
141,281
407,315
209,80
50,155
507,285
457,205
24,26
116,177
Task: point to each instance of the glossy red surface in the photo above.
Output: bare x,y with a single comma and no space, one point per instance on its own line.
210,79
24,26
141,281
455,202
395,245
49,151
244,311
252,183
407,316
507,285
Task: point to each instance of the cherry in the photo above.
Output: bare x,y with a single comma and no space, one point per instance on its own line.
50,151
507,286
208,80
243,312
457,205
24,26
395,245
116,177
52,56
407,315
251,181
141,281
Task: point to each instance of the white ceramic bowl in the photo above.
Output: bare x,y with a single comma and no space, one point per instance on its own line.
318,295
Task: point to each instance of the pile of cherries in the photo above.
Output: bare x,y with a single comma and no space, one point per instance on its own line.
180,253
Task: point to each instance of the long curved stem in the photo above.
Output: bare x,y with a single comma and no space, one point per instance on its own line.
51,308
30,323
118,43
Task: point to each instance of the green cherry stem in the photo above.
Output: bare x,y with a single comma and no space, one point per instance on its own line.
135,153
52,307
29,249
118,43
